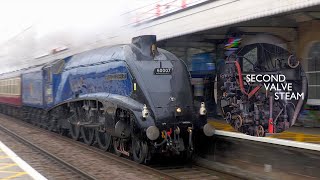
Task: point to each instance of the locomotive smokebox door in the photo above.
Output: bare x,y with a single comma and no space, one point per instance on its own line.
147,45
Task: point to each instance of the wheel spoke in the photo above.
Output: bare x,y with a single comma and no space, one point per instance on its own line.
75,131
103,139
87,135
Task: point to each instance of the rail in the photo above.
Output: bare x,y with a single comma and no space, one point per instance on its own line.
168,171
81,173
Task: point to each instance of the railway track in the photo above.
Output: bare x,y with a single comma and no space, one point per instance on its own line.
72,171
192,172
84,160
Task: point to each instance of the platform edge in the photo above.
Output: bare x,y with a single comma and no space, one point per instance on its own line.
21,163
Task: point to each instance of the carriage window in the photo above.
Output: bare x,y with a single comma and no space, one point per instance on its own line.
10,86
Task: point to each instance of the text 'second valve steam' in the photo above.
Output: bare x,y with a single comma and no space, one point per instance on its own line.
277,83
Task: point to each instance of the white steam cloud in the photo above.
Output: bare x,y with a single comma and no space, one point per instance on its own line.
33,28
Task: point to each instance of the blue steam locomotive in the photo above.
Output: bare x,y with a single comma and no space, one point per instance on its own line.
135,99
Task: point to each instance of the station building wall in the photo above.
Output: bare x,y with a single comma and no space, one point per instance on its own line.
308,48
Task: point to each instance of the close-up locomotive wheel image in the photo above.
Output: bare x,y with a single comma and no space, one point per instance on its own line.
264,88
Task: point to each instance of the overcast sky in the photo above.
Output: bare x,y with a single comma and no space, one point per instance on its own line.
29,28
49,15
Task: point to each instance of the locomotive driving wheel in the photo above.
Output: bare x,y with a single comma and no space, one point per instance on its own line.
75,131
87,135
139,150
103,139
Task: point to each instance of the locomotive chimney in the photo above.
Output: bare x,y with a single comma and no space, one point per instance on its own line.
147,44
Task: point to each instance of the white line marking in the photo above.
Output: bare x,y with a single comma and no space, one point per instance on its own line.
21,163
301,145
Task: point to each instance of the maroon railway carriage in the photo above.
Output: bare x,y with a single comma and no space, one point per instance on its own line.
10,92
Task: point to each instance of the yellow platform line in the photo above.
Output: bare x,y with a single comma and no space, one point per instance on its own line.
299,137
14,176
11,171
4,157
8,166
26,168
222,126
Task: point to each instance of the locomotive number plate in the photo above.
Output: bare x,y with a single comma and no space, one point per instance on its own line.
162,71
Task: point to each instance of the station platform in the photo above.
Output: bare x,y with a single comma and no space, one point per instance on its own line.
12,167
295,133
